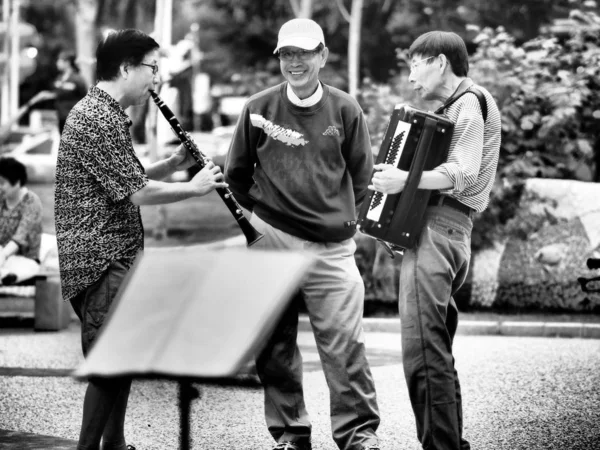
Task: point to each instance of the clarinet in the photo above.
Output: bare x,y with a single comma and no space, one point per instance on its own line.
252,234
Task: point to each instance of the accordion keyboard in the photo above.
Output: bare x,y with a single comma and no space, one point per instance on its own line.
392,157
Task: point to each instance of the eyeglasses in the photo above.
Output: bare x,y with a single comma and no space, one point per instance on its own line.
154,67
416,64
303,55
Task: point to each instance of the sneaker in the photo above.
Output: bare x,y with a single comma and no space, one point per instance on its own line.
287,445
9,279
372,447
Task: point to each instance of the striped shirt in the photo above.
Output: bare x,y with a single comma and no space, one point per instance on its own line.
474,150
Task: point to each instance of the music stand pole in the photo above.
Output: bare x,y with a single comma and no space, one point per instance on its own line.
187,393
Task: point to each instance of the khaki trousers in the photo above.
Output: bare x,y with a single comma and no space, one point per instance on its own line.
333,292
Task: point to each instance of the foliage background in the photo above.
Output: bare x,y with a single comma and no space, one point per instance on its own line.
237,36
540,59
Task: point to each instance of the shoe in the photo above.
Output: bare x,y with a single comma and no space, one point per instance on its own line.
372,447
129,447
9,279
287,445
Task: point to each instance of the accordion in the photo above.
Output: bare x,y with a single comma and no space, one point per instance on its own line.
414,141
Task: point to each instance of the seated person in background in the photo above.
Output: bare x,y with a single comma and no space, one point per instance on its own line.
20,224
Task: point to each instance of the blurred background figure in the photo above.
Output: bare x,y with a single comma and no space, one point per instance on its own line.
69,87
20,224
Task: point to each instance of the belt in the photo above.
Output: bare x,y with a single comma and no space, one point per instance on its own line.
444,200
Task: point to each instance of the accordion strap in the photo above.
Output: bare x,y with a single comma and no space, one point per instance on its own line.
470,90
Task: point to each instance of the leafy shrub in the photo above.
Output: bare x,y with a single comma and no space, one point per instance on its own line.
546,91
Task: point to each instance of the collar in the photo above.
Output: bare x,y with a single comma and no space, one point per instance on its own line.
309,101
22,194
105,97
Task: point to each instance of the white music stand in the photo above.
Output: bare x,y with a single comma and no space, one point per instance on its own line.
194,314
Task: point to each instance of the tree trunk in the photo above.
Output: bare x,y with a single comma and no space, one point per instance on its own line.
597,160
354,47
86,12
163,23
302,9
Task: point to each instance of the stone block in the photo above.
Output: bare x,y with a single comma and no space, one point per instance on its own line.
51,312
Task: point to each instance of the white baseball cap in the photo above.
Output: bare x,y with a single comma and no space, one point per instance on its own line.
302,33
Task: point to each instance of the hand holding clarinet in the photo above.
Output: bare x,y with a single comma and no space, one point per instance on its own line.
209,173
208,178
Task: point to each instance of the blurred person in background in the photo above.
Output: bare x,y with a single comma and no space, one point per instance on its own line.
301,161
69,87
433,271
20,224
100,185
6,128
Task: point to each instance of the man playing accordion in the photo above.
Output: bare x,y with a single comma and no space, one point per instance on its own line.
434,269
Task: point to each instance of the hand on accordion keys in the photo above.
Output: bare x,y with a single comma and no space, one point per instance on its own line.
388,179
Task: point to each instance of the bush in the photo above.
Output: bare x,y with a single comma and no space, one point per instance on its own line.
546,91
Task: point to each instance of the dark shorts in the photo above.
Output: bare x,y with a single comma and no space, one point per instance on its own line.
93,304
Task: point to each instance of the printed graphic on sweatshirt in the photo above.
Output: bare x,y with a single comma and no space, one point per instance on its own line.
277,132
331,131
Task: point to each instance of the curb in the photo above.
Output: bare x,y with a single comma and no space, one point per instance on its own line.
392,325
490,328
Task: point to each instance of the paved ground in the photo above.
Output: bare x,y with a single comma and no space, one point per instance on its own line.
538,393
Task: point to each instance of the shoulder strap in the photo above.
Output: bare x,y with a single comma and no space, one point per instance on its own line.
472,90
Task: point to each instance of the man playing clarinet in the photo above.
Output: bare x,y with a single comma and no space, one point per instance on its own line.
100,185
434,270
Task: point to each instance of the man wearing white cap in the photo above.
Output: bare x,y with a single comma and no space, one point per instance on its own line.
301,161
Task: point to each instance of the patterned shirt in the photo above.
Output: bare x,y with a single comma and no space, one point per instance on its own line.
22,224
97,170
474,150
